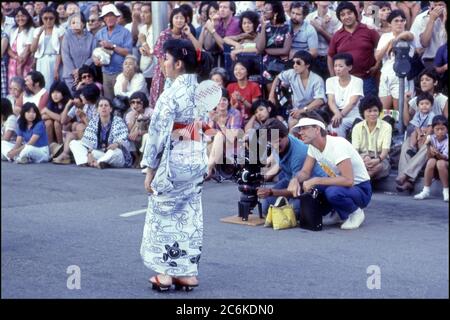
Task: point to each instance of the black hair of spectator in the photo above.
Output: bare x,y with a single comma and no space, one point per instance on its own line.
141,96
316,116
22,121
431,73
77,94
49,10
23,11
346,5
188,10
250,15
221,72
147,4
368,102
203,4
275,124
347,57
6,108
277,9
174,13
214,5
91,92
232,6
125,11
424,96
305,56
63,89
246,64
263,103
300,4
37,77
104,98
86,69
394,14
439,119
383,4
66,4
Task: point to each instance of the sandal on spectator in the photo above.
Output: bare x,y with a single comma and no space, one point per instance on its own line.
158,285
61,161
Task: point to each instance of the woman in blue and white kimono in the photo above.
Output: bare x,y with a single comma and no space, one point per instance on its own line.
173,231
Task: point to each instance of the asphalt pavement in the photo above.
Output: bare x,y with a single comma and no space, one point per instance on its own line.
57,219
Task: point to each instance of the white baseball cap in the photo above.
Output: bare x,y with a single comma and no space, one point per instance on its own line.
110,8
303,122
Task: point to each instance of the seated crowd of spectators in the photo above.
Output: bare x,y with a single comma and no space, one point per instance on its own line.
80,80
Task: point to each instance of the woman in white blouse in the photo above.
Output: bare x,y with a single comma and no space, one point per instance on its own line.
130,80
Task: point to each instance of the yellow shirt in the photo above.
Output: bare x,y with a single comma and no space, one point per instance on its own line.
375,141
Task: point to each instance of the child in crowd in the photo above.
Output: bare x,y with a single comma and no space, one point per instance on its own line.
421,123
437,158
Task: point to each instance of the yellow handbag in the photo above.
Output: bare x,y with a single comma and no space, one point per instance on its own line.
281,215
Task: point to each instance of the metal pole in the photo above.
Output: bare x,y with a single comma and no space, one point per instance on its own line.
401,99
160,20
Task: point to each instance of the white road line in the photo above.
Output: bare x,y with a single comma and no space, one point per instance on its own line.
133,213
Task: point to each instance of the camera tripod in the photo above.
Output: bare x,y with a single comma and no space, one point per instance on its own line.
246,204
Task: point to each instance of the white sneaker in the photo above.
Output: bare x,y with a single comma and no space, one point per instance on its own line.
445,194
354,220
423,195
331,219
144,171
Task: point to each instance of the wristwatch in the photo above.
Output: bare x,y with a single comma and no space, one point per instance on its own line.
114,46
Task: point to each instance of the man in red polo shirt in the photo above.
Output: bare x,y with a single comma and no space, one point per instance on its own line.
358,40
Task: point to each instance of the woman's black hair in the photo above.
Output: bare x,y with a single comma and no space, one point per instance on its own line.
23,11
6,108
203,4
63,89
91,92
225,94
277,8
383,4
368,102
174,13
346,5
250,15
86,69
124,11
394,14
431,73
77,94
245,64
141,96
22,121
188,10
214,5
439,119
425,96
49,10
305,56
104,98
266,104
194,62
38,77
347,57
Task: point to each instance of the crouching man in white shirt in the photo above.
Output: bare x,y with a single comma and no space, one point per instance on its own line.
347,188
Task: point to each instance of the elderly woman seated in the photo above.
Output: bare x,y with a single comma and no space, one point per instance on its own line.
130,80
105,140
372,138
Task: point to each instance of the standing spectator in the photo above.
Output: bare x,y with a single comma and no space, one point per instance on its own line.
38,7
145,44
4,61
77,47
177,30
441,66
105,140
94,24
358,40
136,20
437,158
308,88
384,10
326,23
372,138
31,143
429,31
20,39
304,36
35,89
30,8
244,92
389,81
187,8
85,77
130,80
62,15
246,41
274,40
16,93
202,17
411,10
116,38
46,46
344,92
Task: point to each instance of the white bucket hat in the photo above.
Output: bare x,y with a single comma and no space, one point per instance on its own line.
110,8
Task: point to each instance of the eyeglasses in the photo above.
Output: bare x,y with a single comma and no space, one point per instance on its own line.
298,62
86,76
136,101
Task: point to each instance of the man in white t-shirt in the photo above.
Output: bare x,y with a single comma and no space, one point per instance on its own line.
344,92
347,188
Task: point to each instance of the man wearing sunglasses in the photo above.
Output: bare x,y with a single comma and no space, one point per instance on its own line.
308,88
